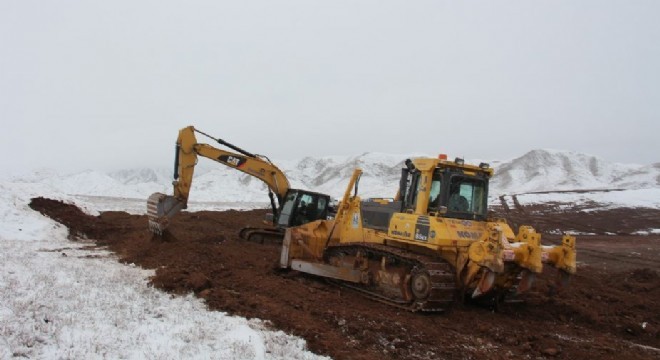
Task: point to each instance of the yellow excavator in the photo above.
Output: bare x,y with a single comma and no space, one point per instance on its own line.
294,206
430,246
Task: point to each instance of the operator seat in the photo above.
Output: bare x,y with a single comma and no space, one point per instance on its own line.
458,203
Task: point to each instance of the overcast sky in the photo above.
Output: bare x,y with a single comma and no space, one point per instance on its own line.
107,84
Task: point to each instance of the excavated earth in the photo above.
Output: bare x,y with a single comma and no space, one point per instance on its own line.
611,310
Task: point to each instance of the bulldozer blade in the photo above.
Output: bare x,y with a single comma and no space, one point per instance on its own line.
485,283
160,208
526,281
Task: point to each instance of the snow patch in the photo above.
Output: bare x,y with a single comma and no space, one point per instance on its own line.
636,198
62,300
647,232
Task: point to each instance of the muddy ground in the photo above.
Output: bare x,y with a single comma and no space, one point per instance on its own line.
610,311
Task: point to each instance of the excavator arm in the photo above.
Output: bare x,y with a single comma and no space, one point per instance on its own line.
161,207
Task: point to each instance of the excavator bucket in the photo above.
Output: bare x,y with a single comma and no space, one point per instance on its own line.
160,208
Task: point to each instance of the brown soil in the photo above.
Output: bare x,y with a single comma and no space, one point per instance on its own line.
587,218
610,310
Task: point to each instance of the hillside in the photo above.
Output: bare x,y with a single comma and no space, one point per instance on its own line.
535,171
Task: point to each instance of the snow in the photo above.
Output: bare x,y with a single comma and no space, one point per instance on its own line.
546,169
536,171
637,198
138,206
64,299
647,232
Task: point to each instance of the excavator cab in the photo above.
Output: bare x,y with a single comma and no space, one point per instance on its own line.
300,207
297,207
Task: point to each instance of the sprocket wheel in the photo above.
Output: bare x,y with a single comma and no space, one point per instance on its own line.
420,285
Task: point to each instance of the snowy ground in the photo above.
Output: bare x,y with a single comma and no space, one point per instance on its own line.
138,206
66,300
633,198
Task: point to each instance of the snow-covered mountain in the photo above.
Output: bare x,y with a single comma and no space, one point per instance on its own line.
535,171
550,170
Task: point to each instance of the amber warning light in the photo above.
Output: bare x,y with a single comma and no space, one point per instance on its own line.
442,156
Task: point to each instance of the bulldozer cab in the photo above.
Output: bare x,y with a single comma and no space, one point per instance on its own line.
300,207
453,192
464,197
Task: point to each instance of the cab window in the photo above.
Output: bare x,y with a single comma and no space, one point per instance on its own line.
467,195
434,193
287,209
320,208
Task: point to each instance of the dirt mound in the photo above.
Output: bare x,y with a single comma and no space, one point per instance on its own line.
609,311
79,223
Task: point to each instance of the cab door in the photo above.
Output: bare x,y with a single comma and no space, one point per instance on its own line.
301,207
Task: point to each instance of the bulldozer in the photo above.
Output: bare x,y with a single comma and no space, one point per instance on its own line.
432,245
290,207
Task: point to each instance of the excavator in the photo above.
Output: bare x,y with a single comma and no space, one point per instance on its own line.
430,246
294,206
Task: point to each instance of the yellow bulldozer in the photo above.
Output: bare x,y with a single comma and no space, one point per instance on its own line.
430,246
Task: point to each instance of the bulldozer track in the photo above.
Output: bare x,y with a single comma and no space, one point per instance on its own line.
441,275
370,295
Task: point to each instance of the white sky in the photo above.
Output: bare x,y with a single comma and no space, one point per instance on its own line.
107,84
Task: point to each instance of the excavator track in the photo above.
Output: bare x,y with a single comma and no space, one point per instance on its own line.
261,235
428,285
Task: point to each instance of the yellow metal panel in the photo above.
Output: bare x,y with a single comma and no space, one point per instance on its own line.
436,232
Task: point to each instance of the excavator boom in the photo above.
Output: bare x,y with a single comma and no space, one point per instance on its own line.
161,207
